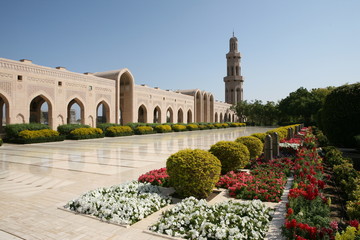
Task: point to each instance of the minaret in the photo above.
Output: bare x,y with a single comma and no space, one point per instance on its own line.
233,80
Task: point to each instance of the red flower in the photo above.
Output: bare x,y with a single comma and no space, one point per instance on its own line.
354,223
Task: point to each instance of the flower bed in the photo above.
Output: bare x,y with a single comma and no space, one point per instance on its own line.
194,219
157,177
121,204
265,182
309,212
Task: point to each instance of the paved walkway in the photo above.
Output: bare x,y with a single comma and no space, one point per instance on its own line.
36,179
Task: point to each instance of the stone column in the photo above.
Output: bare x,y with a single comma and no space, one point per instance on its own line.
275,144
289,133
268,148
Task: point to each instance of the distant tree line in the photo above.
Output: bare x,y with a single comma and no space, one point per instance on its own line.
335,110
300,106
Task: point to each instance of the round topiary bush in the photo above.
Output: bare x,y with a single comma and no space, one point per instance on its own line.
232,155
193,172
260,136
340,115
254,145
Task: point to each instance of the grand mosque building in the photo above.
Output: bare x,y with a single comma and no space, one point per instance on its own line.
55,96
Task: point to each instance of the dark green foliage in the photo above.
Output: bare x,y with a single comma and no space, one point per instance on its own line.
104,126
141,130
67,128
341,115
333,156
12,130
357,140
193,172
38,140
1,142
232,155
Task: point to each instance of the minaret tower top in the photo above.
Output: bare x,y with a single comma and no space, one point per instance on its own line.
233,80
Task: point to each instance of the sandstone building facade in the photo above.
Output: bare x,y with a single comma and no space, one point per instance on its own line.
34,93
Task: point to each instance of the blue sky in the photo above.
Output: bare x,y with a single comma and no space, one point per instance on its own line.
182,44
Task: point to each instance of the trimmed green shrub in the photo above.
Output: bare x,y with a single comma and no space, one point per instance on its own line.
163,128
86,133
202,127
232,155
1,142
193,172
353,209
346,176
38,136
104,126
67,128
218,125
281,131
210,126
225,125
254,145
135,125
117,131
333,156
192,127
140,130
340,115
237,124
38,133
12,130
260,136
178,128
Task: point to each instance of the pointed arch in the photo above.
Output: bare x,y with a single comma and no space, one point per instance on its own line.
198,104
40,110
102,112
4,112
169,115
180,116
211,108
142,114
75,112
157,115
221,118
189,116
216,117
205,107
126,97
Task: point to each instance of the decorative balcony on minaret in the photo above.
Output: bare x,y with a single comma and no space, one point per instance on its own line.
233,80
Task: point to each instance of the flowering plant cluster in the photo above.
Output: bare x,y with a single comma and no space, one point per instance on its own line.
194,219
121,204
308,215
158,177
265,182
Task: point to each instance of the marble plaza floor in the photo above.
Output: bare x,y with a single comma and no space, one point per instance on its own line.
36,179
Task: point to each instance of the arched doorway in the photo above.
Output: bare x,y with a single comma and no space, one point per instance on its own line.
102,113
221,118
169,115
216,117
75,112
126,98
157,115
205,113
142,114
40,110
198,107
189,116
4,112
211,108
180,116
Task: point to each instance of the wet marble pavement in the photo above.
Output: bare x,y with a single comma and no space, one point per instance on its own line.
36,179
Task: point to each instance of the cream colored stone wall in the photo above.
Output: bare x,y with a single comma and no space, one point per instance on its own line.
22,81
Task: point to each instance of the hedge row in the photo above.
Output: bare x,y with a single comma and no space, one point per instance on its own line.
33,132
